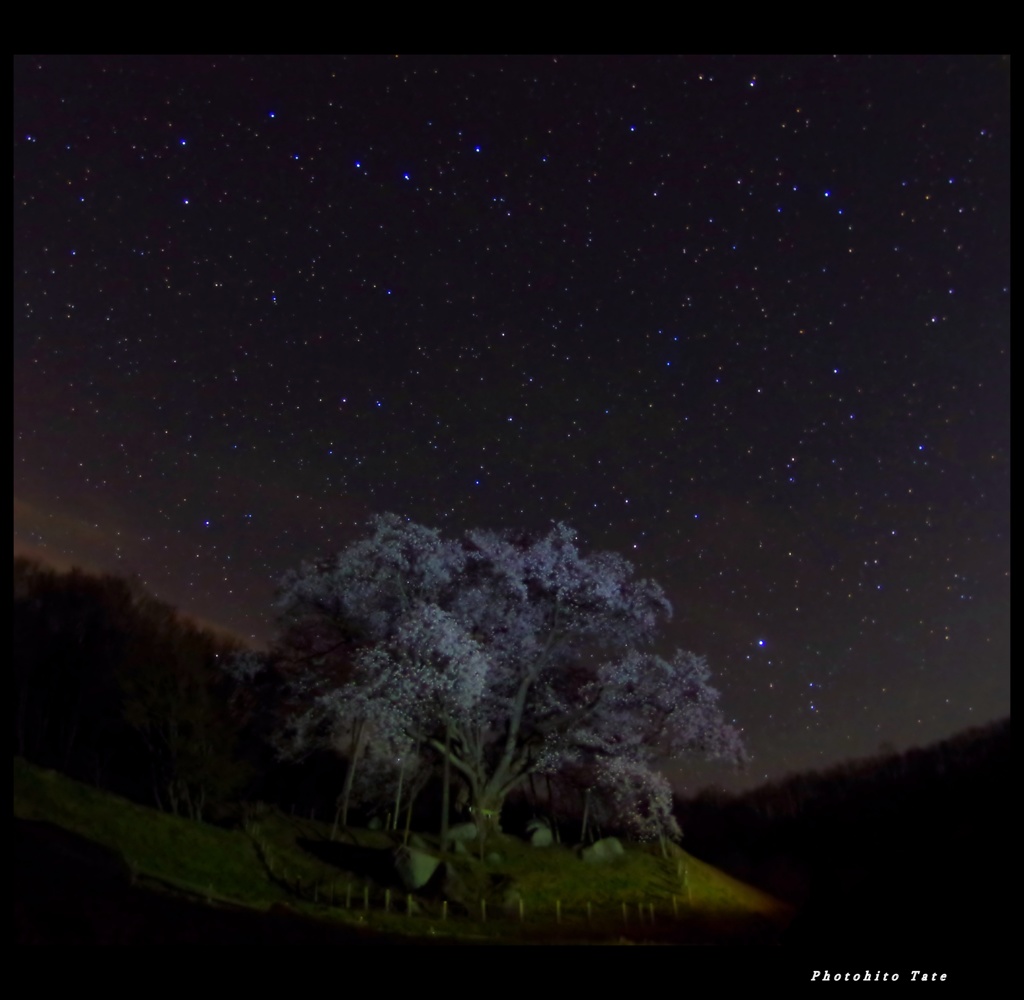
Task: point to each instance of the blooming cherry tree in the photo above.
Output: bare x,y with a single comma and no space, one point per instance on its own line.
504,654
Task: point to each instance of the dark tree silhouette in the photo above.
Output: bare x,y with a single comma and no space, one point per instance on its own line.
176,699
98,664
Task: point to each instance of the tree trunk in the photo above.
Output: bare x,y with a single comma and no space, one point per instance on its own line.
350,777
446,785
534,797
408,821
398,795
337,815
551,810
487,816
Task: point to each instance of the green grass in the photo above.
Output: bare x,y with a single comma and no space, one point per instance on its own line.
194,857
280,859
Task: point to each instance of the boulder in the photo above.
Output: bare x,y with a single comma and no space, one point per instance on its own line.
603,851
538,832
454,888
414,866
461,833
511,899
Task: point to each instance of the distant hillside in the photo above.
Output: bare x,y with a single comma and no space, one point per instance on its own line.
906,845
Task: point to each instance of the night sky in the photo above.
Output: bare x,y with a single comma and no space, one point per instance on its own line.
743,319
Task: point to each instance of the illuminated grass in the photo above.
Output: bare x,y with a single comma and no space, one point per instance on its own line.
194,857
279,859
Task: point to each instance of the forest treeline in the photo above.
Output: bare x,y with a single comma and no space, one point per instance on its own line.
114,687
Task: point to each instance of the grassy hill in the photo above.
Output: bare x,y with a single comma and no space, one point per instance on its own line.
95,868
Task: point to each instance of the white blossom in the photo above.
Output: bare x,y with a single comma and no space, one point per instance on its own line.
526,654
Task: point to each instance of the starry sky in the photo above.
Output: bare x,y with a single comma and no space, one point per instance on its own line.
743,319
